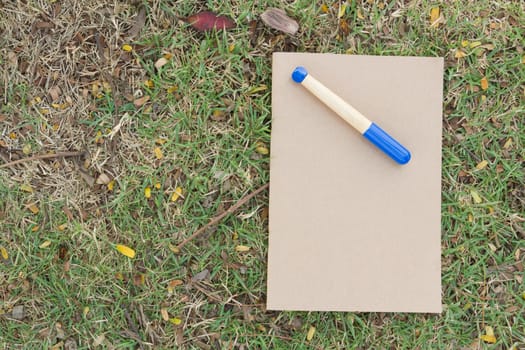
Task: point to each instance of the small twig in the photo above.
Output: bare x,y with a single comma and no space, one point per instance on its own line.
42,156
219,217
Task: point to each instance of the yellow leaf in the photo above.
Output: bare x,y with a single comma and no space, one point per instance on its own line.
85,311
172,89
164,314
26,149
61,227
470,217
523,295
489,330
235,236
261,148
167,55
475,196
242,248
158,185
33,208
174,248
310,334
475,44
460,53
12,135
127,48
35,228
176,321
324,8
488,338
342,10
111,185
158,153
257,89
465,43
434,16
26,188
482,165
147,192
508,143
360,14
176,194
173,284
3,253
484,83
45,244
231,47
149,83
119,276
125,250
160,141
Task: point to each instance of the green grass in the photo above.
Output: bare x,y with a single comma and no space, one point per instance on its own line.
81,283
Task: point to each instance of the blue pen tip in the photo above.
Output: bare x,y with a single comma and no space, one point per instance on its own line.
299,74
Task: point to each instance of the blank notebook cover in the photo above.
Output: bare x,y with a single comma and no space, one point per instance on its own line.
350,229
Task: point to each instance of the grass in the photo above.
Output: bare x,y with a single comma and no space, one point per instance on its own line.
209,113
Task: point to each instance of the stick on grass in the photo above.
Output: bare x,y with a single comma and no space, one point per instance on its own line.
219,217
42,156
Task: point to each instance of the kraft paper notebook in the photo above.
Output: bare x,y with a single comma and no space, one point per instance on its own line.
351,230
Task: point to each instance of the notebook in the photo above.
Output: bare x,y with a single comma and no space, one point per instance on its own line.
350,229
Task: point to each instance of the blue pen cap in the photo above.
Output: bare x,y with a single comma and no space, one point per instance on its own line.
299,74
387,144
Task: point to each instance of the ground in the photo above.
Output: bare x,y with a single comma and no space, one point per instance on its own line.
172,127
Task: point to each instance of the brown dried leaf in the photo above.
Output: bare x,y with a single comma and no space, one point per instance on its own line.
54,93
207,21
141,101
140,20
204,274
161,62
277,19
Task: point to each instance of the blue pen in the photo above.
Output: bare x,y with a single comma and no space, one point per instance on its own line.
369,130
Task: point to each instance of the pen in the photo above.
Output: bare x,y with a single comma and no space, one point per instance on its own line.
352,116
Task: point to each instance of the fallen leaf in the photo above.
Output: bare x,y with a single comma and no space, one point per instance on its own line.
207,21
125,250
158,185
475,196
141,101
111,185
158,153
484,83
3,253
26,188
460,53
204,274
61,227
18,312
324,8
149,83
474,44
257,89
35,228
242,248
261,148
33,208
172,89
360,14
44,244
310,334
127,47
161,62
465,43
277,19
103,179
176,321
344,26
434,16
176,194
26,149
85,311
218,115
147,192
488,337
139,279
508,143
174,248
482,165
164,314
99,340
342,10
